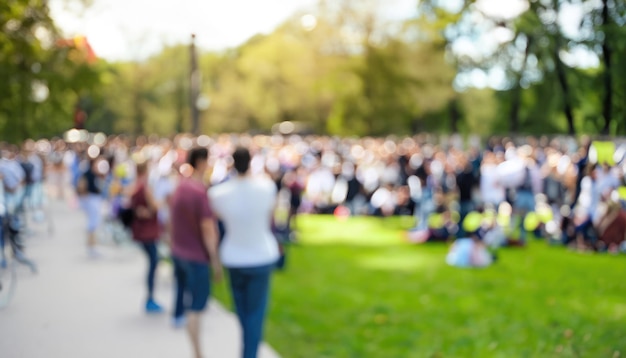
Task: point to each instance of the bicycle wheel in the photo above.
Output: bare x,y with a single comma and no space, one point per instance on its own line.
8,281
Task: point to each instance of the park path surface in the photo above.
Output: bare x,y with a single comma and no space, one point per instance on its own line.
91,308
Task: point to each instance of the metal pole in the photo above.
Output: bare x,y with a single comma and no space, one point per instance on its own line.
194,90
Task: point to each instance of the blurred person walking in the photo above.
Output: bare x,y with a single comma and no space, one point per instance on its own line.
249,250
89,190
33,196
194,246
13,179
57,175
146,229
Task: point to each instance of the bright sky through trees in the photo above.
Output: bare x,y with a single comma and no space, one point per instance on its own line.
135,29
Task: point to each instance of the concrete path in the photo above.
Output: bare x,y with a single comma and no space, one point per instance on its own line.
86,308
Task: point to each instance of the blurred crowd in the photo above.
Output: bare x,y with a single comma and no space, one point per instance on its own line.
563,190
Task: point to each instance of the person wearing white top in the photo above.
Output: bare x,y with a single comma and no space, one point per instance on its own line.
249,250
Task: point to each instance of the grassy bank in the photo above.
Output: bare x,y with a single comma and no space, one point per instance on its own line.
357,289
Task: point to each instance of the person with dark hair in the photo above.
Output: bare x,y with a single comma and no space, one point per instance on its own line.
194,243
145,229
89,189
465,182
249,250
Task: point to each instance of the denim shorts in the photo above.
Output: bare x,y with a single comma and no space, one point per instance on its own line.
92,205
193,283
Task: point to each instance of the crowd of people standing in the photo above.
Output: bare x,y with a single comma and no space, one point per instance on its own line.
419,176
193,193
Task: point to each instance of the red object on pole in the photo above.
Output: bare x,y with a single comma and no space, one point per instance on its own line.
80,117
81,44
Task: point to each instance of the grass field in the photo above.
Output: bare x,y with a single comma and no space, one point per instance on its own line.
356,289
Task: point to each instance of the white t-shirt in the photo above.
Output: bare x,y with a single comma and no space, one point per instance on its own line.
490,189
246,206
162,187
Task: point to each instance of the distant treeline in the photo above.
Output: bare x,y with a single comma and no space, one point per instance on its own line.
352,73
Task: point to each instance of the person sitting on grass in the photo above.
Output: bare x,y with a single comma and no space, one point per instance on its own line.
611,227
596,190
470,250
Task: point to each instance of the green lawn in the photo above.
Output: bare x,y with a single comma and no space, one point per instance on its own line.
356,289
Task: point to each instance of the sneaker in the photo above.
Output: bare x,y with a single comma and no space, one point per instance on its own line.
179,322
153,307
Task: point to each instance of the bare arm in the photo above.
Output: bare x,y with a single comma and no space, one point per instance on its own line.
210,239
151,204
150,200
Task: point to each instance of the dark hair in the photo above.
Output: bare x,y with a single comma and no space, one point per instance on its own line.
142,167
241,158
197,154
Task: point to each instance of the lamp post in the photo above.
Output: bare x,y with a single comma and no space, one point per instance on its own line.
194,90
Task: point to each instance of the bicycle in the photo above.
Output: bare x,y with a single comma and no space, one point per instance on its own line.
8,271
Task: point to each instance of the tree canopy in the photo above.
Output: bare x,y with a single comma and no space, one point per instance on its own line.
343,69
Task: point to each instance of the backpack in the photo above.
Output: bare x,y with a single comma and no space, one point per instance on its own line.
126,216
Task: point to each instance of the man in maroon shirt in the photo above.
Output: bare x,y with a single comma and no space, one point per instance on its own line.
194,247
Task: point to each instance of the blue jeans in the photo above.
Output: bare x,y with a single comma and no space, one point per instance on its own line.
150,248
192,286
250,291
587,230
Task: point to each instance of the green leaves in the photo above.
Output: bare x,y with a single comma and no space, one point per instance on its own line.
353,73
42,75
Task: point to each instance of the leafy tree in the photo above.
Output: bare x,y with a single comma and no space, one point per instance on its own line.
43,76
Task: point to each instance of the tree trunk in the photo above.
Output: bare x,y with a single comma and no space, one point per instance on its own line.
607,101
516,101
567,105
194,90
455,115
180,100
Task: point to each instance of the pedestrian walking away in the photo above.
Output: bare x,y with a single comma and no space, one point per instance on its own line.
249,250
194,246
146,229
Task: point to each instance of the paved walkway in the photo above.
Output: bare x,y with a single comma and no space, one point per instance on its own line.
77,307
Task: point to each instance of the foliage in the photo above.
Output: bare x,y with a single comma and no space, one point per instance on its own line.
43,77
545,90
353,73
356,289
